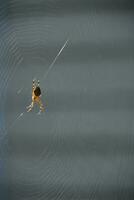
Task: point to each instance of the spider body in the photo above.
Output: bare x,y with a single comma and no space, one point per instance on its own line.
36,97
37,91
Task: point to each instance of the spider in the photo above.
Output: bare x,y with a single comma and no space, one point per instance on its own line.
36,97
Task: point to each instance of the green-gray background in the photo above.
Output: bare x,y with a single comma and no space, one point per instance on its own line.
82,148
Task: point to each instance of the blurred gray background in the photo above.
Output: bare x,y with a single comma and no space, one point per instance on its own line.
82,148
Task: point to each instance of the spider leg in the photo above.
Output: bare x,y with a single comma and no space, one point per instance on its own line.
34,86
30,107
41,105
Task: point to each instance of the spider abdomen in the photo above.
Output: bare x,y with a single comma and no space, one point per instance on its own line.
37,91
